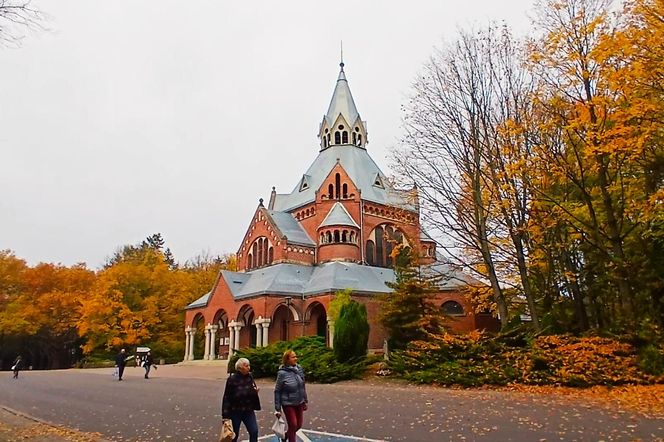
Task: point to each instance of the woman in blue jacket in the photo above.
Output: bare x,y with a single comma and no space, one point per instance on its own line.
290,394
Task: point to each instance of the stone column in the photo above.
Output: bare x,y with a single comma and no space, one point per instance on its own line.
330,332
192,336
187,331
231,338
238,327
213,342
266,329
206,352
259,334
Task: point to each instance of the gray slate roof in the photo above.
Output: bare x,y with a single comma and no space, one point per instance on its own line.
290,228
338,216
359,166
342,102
297,280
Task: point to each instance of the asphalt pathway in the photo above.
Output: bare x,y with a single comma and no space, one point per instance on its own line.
182,404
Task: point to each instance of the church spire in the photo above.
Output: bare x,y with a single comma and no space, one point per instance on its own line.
342,124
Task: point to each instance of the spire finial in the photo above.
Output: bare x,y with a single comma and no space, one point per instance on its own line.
342,56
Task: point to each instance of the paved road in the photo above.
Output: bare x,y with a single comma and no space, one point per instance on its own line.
182,404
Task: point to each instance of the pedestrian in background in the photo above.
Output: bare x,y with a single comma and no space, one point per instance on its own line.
241,400
18,365
121,362
147,363
290,394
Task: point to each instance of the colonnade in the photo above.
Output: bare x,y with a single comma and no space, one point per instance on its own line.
210,349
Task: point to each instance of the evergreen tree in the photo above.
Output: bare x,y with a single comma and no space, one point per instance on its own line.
408,313
351,334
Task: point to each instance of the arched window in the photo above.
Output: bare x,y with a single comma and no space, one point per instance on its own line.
370,253
354,138
337,182
324,141
381,243
260,252
452,308
352,237
344,192
359,139
337,137
344,236
344,137
330,191
328,235
336,236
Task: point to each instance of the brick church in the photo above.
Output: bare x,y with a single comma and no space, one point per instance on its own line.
335,230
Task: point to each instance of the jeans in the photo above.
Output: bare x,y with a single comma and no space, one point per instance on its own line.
249,420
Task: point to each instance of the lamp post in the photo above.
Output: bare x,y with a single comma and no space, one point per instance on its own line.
288,313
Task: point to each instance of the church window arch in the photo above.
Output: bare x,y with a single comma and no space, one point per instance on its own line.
370,250
336,236
452,308
261,253
328,235
344,137
324,141
330,191
359,139
337,185
344,236
354,138
344,191
337,137
381,243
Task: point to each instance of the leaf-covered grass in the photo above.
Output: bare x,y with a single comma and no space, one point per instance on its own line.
476,359
314,356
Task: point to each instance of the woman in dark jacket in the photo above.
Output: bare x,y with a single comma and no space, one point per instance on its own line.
290,394
241,400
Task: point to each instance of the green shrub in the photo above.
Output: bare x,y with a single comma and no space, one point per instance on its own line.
651,360
317,360
351,333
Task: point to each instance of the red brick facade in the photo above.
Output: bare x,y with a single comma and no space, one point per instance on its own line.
360,241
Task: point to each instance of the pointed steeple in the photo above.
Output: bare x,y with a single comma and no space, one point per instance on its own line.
342,123
342,101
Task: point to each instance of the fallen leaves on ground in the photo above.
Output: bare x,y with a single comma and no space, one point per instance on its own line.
645,399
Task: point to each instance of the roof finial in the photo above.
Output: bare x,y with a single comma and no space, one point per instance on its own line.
342,56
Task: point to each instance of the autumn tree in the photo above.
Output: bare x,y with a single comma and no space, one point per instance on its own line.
595,139
467,138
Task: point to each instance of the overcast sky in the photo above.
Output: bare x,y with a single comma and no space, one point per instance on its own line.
130,118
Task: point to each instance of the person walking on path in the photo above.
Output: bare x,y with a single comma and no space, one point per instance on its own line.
290,394
18,365
240,400
121,362
148,362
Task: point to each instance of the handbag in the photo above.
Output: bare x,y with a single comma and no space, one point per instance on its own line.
280,427
227,434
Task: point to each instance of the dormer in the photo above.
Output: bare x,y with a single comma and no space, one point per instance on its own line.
342,124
